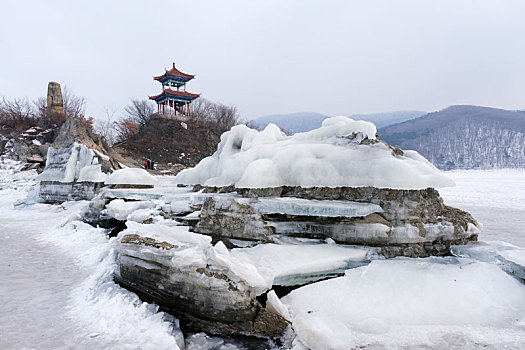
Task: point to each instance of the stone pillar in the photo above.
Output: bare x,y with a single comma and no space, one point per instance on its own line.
55,104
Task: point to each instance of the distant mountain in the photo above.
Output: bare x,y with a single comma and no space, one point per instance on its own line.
464,137
306,121
388,118
291,123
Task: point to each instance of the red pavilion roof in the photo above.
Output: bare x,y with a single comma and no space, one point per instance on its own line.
176,93
174,72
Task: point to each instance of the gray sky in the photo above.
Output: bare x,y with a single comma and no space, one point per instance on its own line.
265,57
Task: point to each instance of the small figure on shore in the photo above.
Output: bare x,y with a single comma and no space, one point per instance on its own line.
149,164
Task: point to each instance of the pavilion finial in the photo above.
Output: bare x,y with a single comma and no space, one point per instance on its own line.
173,64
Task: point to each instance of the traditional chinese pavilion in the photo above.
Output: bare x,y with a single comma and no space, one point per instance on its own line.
174,98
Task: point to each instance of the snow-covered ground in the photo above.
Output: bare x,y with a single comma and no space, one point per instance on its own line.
56,289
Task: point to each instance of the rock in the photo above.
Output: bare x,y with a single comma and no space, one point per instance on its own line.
55,104
205,295
74,131
413,223
224,218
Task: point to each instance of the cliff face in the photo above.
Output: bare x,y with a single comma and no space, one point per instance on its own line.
464,137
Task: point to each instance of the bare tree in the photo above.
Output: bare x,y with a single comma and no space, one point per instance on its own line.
139,112
74,106
222,115
40,107
106,127
125,129
202,109
17,109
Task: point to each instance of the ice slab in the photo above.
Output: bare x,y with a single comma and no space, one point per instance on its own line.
291,264
306,207
508,257
132,194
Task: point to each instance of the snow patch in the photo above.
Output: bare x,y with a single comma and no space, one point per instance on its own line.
130,176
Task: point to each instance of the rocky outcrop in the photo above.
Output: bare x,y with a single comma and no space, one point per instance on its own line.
204,294
29,147
413,223
76,164
74,131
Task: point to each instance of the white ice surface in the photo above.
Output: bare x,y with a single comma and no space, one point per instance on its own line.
130,176
408,302
56,281
496,198
322,157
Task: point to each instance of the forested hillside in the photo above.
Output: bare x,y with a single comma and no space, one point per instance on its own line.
464,137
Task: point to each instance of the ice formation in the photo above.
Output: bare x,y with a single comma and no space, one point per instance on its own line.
130,176
121,210
334,155
69,164
71,173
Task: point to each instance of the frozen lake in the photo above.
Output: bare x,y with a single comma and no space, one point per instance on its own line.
496,198
56,290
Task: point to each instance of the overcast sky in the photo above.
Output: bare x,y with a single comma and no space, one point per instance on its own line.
266,57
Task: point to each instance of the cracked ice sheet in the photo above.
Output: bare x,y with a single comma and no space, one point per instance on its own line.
433,302
307,207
